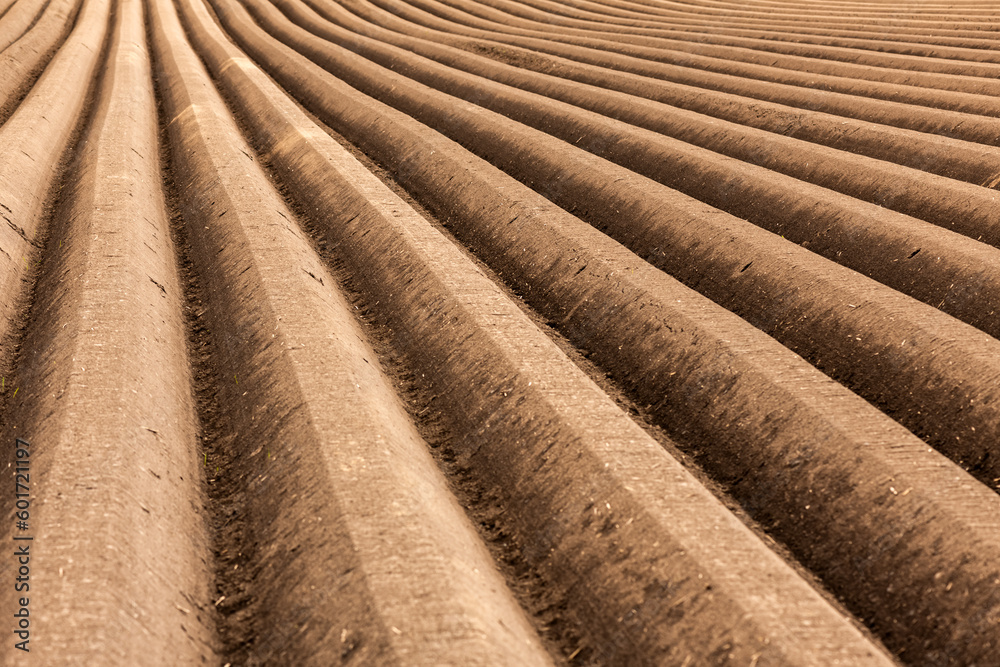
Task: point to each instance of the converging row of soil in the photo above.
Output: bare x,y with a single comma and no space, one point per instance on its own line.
502,331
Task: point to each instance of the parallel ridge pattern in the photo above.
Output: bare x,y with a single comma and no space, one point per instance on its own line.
503,331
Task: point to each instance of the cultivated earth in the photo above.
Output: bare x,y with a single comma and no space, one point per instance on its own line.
500,332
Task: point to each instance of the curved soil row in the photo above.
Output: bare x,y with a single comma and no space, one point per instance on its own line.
279,416
472,338
970,210
972,13
393,148
773,37
649,61
973,49
676,234
23,61
5,6
118,547
939,11
32,144
19,19
602,9
946,157
513,15
827,65
335,477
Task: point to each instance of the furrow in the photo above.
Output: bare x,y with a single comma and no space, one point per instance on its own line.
605,9
711,51
677,234
747,44
5,6
462,332
713,406
23,62
19,19
651,62
500,332
940,11
970,210
336,477
840,8
974,49
931,153
32,144
117,544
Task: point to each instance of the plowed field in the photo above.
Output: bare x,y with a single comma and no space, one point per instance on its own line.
500,332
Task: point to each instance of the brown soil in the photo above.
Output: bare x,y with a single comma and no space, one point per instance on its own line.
514,332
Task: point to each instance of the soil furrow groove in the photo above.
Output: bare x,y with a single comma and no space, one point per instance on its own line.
404,150
521,332
457,363
335,474
119,544
675,233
